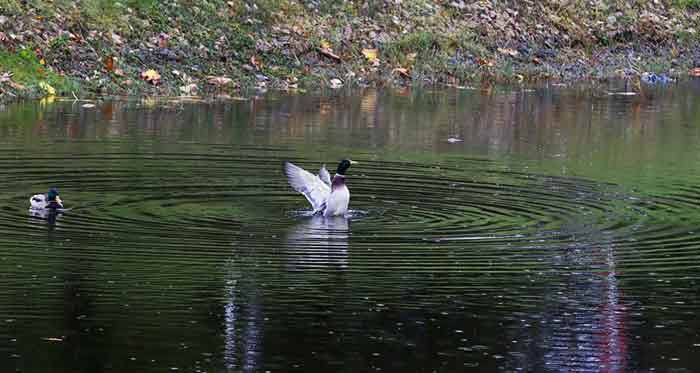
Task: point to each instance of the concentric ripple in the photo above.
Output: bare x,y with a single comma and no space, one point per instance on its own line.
229,196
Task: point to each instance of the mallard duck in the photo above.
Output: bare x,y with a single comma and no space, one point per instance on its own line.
50,200
329,197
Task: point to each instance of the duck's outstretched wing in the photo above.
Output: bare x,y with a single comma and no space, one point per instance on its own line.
324,175
313,187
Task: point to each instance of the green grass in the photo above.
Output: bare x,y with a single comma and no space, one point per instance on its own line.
688,4
27,71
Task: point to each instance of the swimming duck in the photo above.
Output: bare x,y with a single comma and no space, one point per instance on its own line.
50,200
329,197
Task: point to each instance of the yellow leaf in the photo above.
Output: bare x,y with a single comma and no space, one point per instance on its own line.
370,54
325,44
151,76
50,91
42,61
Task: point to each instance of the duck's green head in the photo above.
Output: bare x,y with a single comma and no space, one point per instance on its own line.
52,194
344,165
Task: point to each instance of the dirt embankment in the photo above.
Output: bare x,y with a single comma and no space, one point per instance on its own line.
187,47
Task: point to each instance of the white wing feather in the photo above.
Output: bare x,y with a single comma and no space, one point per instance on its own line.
324,175
38,201
313,187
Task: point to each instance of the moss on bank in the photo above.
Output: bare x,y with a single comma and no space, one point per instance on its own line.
103,47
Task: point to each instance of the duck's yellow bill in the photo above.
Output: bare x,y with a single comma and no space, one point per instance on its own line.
354,162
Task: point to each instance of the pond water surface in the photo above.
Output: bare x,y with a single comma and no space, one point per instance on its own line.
553,229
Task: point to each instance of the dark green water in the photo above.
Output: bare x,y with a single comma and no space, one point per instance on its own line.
561,234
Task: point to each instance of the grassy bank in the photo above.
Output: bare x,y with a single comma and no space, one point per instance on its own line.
187,47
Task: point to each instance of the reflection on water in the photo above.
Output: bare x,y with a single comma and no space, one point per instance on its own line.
318,241
582,325
243,334
559,234
44,215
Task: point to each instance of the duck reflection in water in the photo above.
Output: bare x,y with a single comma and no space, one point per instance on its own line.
44,216
318,242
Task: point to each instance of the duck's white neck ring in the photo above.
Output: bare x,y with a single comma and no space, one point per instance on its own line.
341,175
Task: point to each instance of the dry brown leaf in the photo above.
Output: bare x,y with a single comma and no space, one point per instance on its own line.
483,62
151,76
109,63
509,51
257,63
402,71
329,53
16,85
218,81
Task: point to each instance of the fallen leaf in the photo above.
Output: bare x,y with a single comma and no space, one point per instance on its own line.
325,44
509,51
370,54
483,62
151,76
88,106
42,62
695,72
50,91
329,53
402,71
218,80
118,72
257,63
117,39
109,63
16,86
